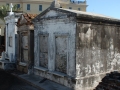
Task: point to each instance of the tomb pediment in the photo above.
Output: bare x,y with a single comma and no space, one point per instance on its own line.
52,13
63,13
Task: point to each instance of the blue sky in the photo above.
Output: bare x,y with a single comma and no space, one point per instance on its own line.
105,7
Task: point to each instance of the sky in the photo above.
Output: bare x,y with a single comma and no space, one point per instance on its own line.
106,7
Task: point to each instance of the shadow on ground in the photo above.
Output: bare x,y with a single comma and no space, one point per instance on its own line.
110,82
9,82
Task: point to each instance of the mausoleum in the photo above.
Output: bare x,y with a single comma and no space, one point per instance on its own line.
75,48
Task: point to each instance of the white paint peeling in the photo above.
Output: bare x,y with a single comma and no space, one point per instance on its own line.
78,70
88,70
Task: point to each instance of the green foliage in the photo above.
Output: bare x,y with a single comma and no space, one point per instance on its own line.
4,9
15,8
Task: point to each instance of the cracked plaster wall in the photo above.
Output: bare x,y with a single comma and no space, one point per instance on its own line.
60,42
97,53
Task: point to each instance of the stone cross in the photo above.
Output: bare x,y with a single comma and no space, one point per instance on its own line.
11,7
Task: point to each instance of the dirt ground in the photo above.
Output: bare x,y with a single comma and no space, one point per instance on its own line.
9,82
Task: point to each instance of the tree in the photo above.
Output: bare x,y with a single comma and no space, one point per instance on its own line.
4,9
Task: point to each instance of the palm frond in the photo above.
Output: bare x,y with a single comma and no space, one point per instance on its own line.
5,8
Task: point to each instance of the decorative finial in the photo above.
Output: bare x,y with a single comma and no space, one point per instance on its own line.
57,4
11,9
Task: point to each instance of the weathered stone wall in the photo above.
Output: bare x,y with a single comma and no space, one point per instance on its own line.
54,50
97,53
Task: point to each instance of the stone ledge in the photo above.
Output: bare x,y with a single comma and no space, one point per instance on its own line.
22,64
6,61
41,68
6,65
57,73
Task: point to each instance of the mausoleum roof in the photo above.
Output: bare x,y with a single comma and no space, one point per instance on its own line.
28,19
82,15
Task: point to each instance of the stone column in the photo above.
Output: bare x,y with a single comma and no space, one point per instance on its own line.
6,35
0,35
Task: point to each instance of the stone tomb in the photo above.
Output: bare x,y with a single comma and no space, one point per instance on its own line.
75,48
10,42
25,43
